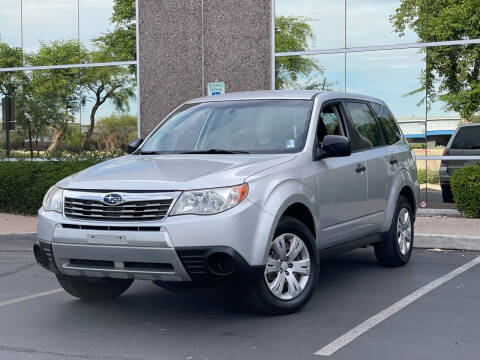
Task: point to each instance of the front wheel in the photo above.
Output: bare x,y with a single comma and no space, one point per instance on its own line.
396,247
291,272
94,289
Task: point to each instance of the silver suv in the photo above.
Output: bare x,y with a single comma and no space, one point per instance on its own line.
250,190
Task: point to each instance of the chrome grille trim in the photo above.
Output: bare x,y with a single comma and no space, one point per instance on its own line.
81,205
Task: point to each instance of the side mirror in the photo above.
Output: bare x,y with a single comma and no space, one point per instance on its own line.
334,146
133,145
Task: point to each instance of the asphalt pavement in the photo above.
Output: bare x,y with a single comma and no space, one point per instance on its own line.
150,323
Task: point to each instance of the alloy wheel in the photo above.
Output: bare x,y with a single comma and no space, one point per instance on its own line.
288,266
404,231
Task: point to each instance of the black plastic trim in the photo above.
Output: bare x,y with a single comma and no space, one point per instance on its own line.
43,254
194,259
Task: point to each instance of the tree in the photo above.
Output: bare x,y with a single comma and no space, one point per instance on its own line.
292,33
452,73
115,84
53,97
10,57
122,41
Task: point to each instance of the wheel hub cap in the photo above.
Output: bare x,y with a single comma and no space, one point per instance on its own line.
288,267
404,231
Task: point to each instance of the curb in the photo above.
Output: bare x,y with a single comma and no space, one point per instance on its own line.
438,212
448,242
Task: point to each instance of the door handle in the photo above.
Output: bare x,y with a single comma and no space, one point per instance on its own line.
393,161
360,168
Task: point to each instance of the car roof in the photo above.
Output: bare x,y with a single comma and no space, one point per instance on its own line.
468,125
284,94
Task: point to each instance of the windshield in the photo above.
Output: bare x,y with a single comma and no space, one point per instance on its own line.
467,138
255,126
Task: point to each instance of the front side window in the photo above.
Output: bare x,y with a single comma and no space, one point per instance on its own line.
365,132
329,122
253,126
387,123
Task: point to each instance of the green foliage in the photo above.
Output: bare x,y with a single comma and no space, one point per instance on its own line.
292,33
115,131
465,184
73,139
432,178
452,72
24,183
121,42
10,57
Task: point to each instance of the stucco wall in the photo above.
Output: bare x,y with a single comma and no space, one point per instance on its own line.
236,49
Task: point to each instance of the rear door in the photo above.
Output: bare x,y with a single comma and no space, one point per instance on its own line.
381,161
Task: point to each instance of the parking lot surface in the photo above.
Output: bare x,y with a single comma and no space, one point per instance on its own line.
148,322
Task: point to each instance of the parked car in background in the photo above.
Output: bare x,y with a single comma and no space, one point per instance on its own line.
249,189
464,142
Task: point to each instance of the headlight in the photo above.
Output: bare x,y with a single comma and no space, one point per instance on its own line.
53,200
209,201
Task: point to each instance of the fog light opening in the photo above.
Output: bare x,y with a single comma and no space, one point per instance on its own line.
221,264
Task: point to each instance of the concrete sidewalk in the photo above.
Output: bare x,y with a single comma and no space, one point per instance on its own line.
17,224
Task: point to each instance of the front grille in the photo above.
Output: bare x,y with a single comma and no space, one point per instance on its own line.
111,228
128,211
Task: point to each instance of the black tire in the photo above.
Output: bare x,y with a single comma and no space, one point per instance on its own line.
94,289
447,195
388,251
262,300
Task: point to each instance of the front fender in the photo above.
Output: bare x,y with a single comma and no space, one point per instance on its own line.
279,195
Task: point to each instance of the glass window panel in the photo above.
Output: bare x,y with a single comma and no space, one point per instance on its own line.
114,126
116,32
370,23
453,102
47,21
315,72
453,20
10,34
392,76
323,19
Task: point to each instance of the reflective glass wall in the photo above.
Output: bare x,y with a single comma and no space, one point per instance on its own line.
70,67
421,57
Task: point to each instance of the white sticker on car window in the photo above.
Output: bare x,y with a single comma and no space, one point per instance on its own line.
290,143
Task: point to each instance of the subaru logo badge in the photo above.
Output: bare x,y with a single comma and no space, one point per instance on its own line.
112,199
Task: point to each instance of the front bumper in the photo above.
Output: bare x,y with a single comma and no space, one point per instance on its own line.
178,248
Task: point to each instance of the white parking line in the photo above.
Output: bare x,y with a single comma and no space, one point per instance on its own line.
351,335
29,297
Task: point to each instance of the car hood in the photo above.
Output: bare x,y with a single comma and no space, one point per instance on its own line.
172,172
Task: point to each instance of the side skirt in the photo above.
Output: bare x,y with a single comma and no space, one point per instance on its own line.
351,245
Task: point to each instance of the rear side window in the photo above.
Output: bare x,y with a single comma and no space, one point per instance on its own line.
467,138
365,133
387,123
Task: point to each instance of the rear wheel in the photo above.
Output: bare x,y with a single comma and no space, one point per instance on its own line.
447,195
94,289
291,272
396,247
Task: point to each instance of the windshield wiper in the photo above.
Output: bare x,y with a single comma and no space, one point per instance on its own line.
215,151
149,153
